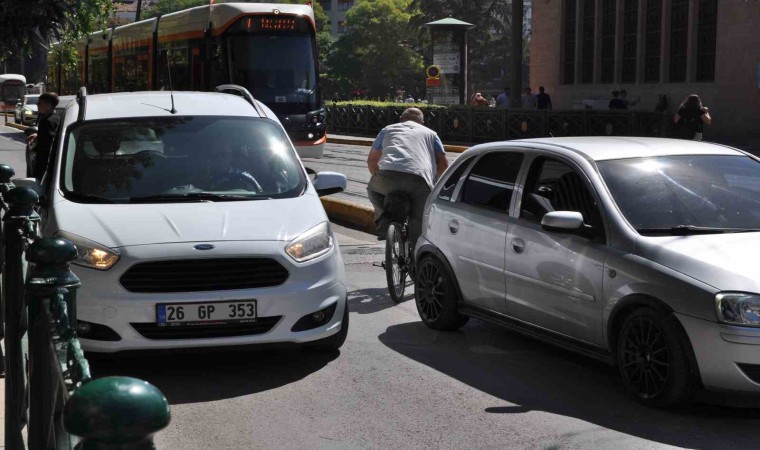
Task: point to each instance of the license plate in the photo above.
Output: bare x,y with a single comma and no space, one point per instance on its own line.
176,314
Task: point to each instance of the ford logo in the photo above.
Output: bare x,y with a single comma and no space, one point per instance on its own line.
203,247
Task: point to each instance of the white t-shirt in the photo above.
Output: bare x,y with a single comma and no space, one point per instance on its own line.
409,147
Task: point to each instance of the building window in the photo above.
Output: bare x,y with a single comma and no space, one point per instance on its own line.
568,65
326,4
345,5
653,41
706,35
630,40
609,13
587,41
679,35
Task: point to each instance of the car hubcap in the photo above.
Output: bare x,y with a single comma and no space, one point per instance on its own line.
645,359
431,288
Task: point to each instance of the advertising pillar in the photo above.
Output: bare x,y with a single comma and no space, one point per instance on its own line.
449,39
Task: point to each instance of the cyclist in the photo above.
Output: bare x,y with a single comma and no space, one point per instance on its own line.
406,157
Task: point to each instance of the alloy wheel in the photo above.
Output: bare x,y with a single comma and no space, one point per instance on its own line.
431,288
645,360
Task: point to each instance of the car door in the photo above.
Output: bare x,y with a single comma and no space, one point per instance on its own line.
554,279
474,227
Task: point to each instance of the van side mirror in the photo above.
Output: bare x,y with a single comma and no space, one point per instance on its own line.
326,183
562,221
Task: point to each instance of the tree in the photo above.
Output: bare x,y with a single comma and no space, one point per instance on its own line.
489,41
375,53
161,7
26,22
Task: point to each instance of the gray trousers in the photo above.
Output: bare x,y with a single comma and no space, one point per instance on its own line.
386,181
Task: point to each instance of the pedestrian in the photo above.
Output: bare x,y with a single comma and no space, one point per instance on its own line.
406,157
502,101
543,99
616,102
42,141
409,99
691,118
478,100
528,99
626,102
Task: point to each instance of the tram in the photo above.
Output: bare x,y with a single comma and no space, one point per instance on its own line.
268,48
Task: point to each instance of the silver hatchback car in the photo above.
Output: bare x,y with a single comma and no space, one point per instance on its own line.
637,251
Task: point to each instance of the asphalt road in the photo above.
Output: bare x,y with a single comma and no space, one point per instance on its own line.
397,384
350,160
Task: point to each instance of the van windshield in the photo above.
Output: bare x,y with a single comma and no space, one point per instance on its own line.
160,159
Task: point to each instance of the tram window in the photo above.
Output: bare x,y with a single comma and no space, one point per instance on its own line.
180,69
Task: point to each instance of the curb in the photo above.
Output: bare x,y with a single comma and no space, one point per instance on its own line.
358,216
16,126
333,139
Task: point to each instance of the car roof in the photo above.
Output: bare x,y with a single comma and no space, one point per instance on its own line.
601,148
159,103
32,95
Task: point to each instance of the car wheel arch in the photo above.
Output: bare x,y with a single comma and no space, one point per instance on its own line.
631,303
429,249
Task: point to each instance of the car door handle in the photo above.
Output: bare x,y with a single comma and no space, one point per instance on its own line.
454,226
518,245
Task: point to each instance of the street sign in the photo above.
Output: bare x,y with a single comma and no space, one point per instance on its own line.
448,62
433,71
433,82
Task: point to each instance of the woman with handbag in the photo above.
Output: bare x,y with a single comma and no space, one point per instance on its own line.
692,117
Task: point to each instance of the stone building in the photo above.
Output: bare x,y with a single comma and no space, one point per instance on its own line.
581,50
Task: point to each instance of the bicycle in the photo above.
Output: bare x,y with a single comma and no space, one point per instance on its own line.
399,254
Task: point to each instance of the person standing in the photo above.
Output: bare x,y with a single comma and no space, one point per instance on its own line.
528,100
616,102
543,99
628,103
691,118
406,157
47,125
502,101
479,100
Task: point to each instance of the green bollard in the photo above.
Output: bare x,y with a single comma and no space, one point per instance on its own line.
116,413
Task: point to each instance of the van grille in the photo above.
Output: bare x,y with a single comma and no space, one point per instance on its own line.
194,275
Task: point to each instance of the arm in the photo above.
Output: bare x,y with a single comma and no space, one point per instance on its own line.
441,164
676,118
706,118
373,160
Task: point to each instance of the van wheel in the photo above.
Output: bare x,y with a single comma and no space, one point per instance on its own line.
436,297
653,358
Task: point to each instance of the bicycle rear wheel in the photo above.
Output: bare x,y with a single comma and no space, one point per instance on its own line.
395,262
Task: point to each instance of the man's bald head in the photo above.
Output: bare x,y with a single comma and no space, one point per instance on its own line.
413,114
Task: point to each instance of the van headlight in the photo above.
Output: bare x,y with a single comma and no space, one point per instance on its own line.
311,244
738,308
91,254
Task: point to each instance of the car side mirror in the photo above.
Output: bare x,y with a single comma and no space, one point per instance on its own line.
18,105
326,183
562,221
30,130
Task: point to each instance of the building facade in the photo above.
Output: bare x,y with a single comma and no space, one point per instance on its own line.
336,14
581,50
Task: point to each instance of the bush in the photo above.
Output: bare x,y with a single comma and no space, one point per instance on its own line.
379,104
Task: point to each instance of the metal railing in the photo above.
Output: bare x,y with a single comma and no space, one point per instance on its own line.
466,124
48,388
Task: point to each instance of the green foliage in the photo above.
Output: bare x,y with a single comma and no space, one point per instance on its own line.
375,53
25,22
161,7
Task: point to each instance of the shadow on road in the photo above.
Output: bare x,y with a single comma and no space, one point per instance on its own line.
372,300
528,375
209,376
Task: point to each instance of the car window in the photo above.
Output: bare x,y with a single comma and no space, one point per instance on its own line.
660,193
124,159
450,183
553,185
492,180
32,100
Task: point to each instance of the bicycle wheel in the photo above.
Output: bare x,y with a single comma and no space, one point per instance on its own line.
395,265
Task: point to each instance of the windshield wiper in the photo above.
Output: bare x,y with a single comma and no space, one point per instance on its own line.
91,198
685,230
193,197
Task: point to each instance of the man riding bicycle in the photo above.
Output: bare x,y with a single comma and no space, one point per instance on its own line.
406,157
